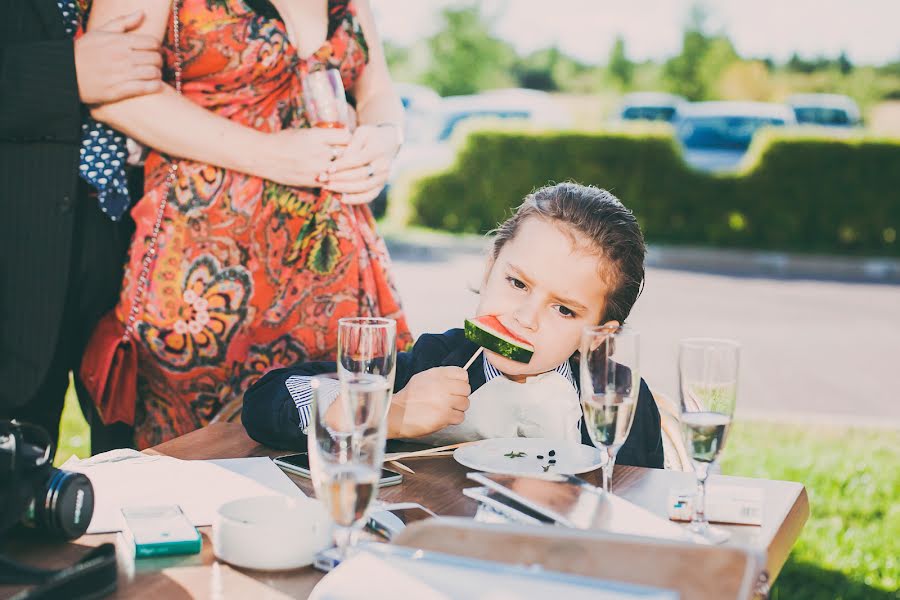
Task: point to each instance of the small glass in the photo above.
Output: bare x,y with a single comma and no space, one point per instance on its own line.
610,384
324,98
346,451
708,378
367,346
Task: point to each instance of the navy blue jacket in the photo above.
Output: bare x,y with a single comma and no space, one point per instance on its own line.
271,418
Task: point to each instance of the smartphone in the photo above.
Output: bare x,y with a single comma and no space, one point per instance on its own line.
299,464
507,507
391,519
160,531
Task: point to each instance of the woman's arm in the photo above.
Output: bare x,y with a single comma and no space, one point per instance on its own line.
363,169
175,125
377,103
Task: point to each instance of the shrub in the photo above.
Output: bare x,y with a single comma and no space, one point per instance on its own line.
801,191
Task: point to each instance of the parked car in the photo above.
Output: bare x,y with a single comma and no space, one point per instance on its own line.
828,110
649,106
422,107
714,136
432,152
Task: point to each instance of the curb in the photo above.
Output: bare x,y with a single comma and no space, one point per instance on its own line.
774,264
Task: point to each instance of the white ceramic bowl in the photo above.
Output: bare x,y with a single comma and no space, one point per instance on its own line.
270,533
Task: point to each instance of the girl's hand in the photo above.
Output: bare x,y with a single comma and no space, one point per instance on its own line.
432,400
296,157
362,170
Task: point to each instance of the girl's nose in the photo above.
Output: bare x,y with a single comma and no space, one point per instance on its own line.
526,314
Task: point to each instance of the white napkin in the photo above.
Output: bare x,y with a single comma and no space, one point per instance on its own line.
122,478
545,406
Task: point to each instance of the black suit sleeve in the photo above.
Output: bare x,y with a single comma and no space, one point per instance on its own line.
39,92
644,448
270,416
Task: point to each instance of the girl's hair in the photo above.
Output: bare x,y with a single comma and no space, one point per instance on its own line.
599,216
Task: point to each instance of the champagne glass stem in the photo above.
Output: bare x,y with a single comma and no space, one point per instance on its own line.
343,539
699,524
608,469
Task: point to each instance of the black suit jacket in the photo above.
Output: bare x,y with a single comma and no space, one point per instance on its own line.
271,418
40,130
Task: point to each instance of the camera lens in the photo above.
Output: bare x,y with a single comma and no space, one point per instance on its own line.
66,506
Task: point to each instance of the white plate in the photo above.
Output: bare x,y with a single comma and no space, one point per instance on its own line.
492,456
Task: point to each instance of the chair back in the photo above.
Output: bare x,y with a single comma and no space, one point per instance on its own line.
676,454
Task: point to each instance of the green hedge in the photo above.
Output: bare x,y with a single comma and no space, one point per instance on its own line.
804,192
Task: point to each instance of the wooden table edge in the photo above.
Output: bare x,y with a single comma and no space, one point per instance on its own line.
787,534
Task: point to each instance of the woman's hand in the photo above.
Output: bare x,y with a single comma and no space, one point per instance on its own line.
362,170
296,157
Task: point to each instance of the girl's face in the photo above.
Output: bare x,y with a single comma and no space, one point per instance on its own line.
545,286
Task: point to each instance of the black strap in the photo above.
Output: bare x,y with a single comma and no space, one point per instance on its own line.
94,576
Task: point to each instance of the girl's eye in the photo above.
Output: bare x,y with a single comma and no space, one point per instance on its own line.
566,312
516,283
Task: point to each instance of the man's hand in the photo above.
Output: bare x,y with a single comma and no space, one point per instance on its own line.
432,400
113,62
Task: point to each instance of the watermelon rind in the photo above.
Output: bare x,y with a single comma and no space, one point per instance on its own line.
490,341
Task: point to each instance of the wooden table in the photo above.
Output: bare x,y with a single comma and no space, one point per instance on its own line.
436,484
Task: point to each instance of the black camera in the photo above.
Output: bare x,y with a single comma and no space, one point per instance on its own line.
56,502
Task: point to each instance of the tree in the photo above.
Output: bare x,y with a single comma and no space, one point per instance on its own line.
844,63
537,70
620,68
696,71
683,71
465,57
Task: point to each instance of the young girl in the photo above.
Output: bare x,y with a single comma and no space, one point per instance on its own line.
571,256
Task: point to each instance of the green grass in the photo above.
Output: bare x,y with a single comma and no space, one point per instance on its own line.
74,433
850,546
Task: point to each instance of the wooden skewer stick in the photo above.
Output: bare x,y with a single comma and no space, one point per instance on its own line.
401,466
471,360
426,452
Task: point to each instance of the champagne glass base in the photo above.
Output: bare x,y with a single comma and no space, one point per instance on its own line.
704,532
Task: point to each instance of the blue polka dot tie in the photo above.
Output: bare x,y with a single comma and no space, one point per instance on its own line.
103,151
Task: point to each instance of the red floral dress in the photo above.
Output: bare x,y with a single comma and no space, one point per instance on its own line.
250,275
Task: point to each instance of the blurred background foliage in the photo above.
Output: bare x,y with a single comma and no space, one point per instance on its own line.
801,191
463,57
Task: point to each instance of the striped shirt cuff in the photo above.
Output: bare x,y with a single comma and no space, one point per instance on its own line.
299,388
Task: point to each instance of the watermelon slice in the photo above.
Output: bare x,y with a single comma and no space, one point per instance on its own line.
489,333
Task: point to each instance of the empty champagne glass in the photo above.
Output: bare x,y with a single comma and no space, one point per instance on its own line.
346,451
324,98
367,348
610,384
708,376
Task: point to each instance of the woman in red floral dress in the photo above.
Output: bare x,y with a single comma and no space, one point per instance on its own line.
267,239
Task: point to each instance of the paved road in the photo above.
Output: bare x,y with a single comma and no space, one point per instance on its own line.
812,350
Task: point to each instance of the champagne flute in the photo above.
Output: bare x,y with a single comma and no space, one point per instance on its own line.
346,451
708,374
610,384
324,98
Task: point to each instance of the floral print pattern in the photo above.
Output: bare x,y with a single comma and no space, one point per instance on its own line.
249,275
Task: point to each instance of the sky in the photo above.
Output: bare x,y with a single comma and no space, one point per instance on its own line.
868,30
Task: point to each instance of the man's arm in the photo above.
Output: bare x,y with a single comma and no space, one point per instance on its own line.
44,84
39,92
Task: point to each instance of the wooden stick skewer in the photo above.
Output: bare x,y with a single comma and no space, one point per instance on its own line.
425,453
402,467
471,360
